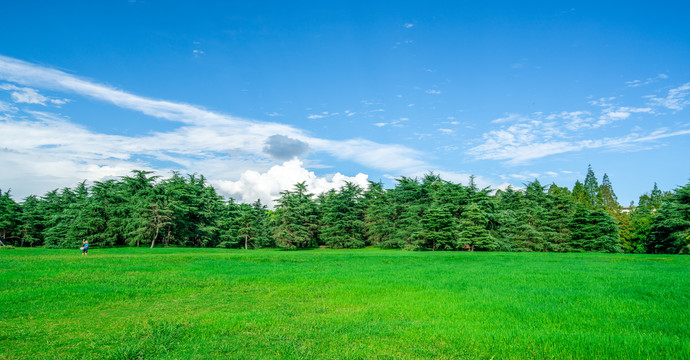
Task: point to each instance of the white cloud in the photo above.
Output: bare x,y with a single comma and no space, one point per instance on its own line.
24,94
6,107
636,83
676,99
324,114
446,131
448,148
521,138
395,123
433,91
220,146
267,186
408,25
518,150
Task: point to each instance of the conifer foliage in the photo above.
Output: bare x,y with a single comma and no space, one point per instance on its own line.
416,214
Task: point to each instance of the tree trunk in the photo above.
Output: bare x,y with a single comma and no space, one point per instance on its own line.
153,242
245,242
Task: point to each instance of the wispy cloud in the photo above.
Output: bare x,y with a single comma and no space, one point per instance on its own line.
636,83
46,145
395,123
676,99
26,95
522,138
507,147
433,91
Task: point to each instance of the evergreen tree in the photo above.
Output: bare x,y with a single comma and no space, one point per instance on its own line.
106,213
31,222
232,218
9,219
594,230
61,212
342,217
474,235
407,229
637,238
670,230
593,196
261,224
410,202
296,219
379,214
580,194
142,202
246,230
560,207
608,196
250,227
439,229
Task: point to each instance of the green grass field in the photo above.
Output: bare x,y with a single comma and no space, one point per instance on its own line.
172,303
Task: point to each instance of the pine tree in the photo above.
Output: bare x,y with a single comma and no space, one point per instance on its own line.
474,234
579,194
594,230
342,217
61,212
670,229
608,196
593,195
31,222
379,215
296,219
9,219
439,229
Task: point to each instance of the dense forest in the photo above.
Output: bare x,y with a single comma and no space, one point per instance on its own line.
417,214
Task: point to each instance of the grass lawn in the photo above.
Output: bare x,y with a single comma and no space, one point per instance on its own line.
179,303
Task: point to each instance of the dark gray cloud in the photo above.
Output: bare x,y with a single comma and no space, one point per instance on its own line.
282,147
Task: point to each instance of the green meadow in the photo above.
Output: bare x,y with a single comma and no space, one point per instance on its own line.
182,303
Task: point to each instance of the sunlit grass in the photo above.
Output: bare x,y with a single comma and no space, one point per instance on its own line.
352,304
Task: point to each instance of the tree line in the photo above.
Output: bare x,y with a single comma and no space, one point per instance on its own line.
416,214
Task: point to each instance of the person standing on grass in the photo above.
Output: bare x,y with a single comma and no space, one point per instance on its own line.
85,248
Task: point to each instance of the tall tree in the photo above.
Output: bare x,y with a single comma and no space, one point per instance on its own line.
342,217
580,194
439,229
9,218
379,214
608,196
296,218
474,234
670,230
31,222
593,195
594,230
250,223
143,202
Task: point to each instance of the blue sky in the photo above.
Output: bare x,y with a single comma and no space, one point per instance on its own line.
260,95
